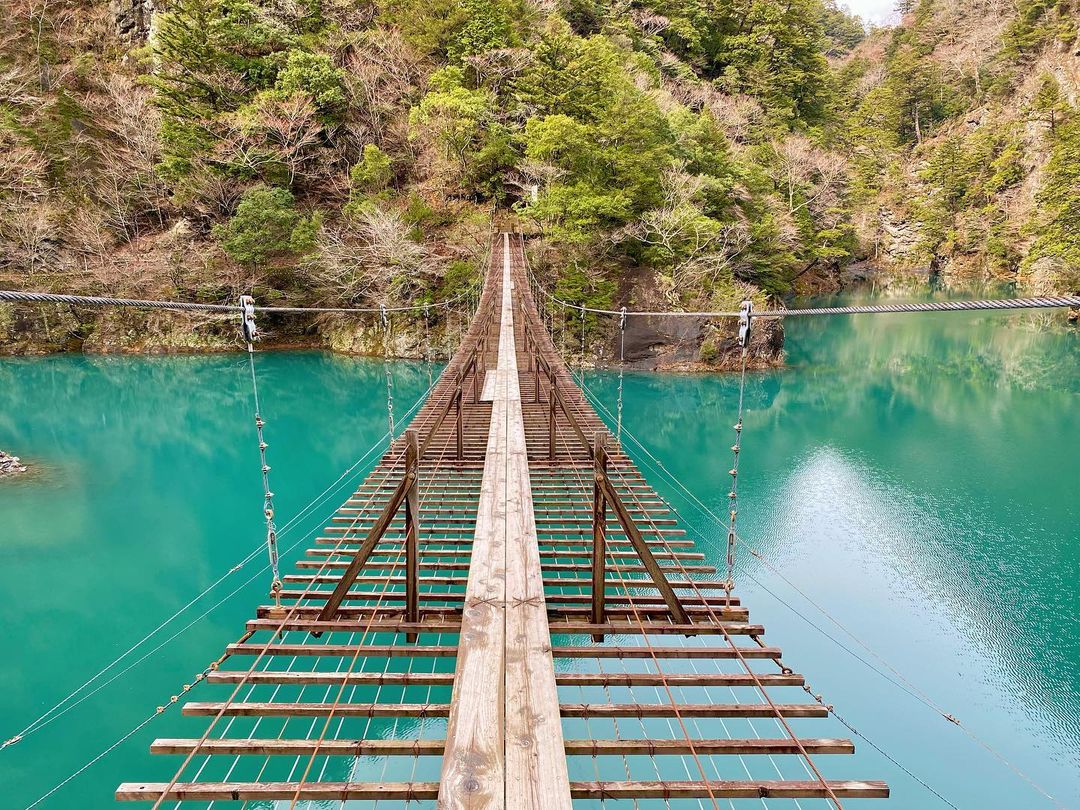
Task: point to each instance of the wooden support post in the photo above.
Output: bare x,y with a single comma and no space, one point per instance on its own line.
364,552
599,518
476,379
642,549
459,430
551,423
536,370
412,531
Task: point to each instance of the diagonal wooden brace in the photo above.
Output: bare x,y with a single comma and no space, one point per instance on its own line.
405,492
642,549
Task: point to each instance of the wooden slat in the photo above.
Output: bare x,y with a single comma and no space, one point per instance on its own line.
443,651
426,791
628,679
439,625
265,709
423,748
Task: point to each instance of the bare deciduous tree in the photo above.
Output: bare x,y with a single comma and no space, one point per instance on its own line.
363,257
697,249
816,175
497,67
380,71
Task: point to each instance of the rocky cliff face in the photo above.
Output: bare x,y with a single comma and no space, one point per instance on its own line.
964,122
134,19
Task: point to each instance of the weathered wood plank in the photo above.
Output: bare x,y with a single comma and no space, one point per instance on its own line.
426,791
262,709
628,679
473,769
423,748
536,770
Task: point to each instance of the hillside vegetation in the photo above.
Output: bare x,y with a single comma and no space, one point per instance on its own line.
671,153
964,143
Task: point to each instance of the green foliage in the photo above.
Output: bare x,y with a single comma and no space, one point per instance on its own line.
487,26
314,75
456,114
578,287
1058,222
570,76
609,140
456,29
267,226
1038,23
460,276
373,172
1049,103
769,49
842,31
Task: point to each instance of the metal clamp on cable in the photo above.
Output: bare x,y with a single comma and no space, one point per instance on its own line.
745,313
385,317
247,319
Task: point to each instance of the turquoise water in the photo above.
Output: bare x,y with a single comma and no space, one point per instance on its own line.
916,476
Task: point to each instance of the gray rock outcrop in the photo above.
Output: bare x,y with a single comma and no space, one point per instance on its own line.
10,465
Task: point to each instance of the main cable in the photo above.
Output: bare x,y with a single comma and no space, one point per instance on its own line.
1039,302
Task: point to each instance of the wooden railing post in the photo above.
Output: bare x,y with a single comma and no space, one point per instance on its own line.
458,430
551,423
476,378
412,531
599,528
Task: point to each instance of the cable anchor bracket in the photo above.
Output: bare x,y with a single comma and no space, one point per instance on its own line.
746,312
247,319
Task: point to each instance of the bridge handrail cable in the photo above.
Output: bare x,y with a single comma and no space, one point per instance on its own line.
1039,302
24,297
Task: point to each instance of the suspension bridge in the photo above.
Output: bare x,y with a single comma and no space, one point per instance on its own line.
505,614
507,572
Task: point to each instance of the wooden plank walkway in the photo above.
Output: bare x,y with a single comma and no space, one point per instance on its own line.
482,656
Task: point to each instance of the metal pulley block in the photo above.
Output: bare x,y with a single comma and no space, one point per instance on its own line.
745,313
247,318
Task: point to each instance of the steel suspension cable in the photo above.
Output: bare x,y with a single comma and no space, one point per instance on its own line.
746,666
393,565
733,493
250,333
902,683
622,365
624,581
27,297
387,334
1036,302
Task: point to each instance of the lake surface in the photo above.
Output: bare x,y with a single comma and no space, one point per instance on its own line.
914,476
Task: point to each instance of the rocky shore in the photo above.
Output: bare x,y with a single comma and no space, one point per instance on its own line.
10,465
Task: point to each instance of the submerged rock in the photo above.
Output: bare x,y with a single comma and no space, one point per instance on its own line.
10,465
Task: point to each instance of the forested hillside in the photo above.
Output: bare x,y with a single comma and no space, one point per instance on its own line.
964,143
671,153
